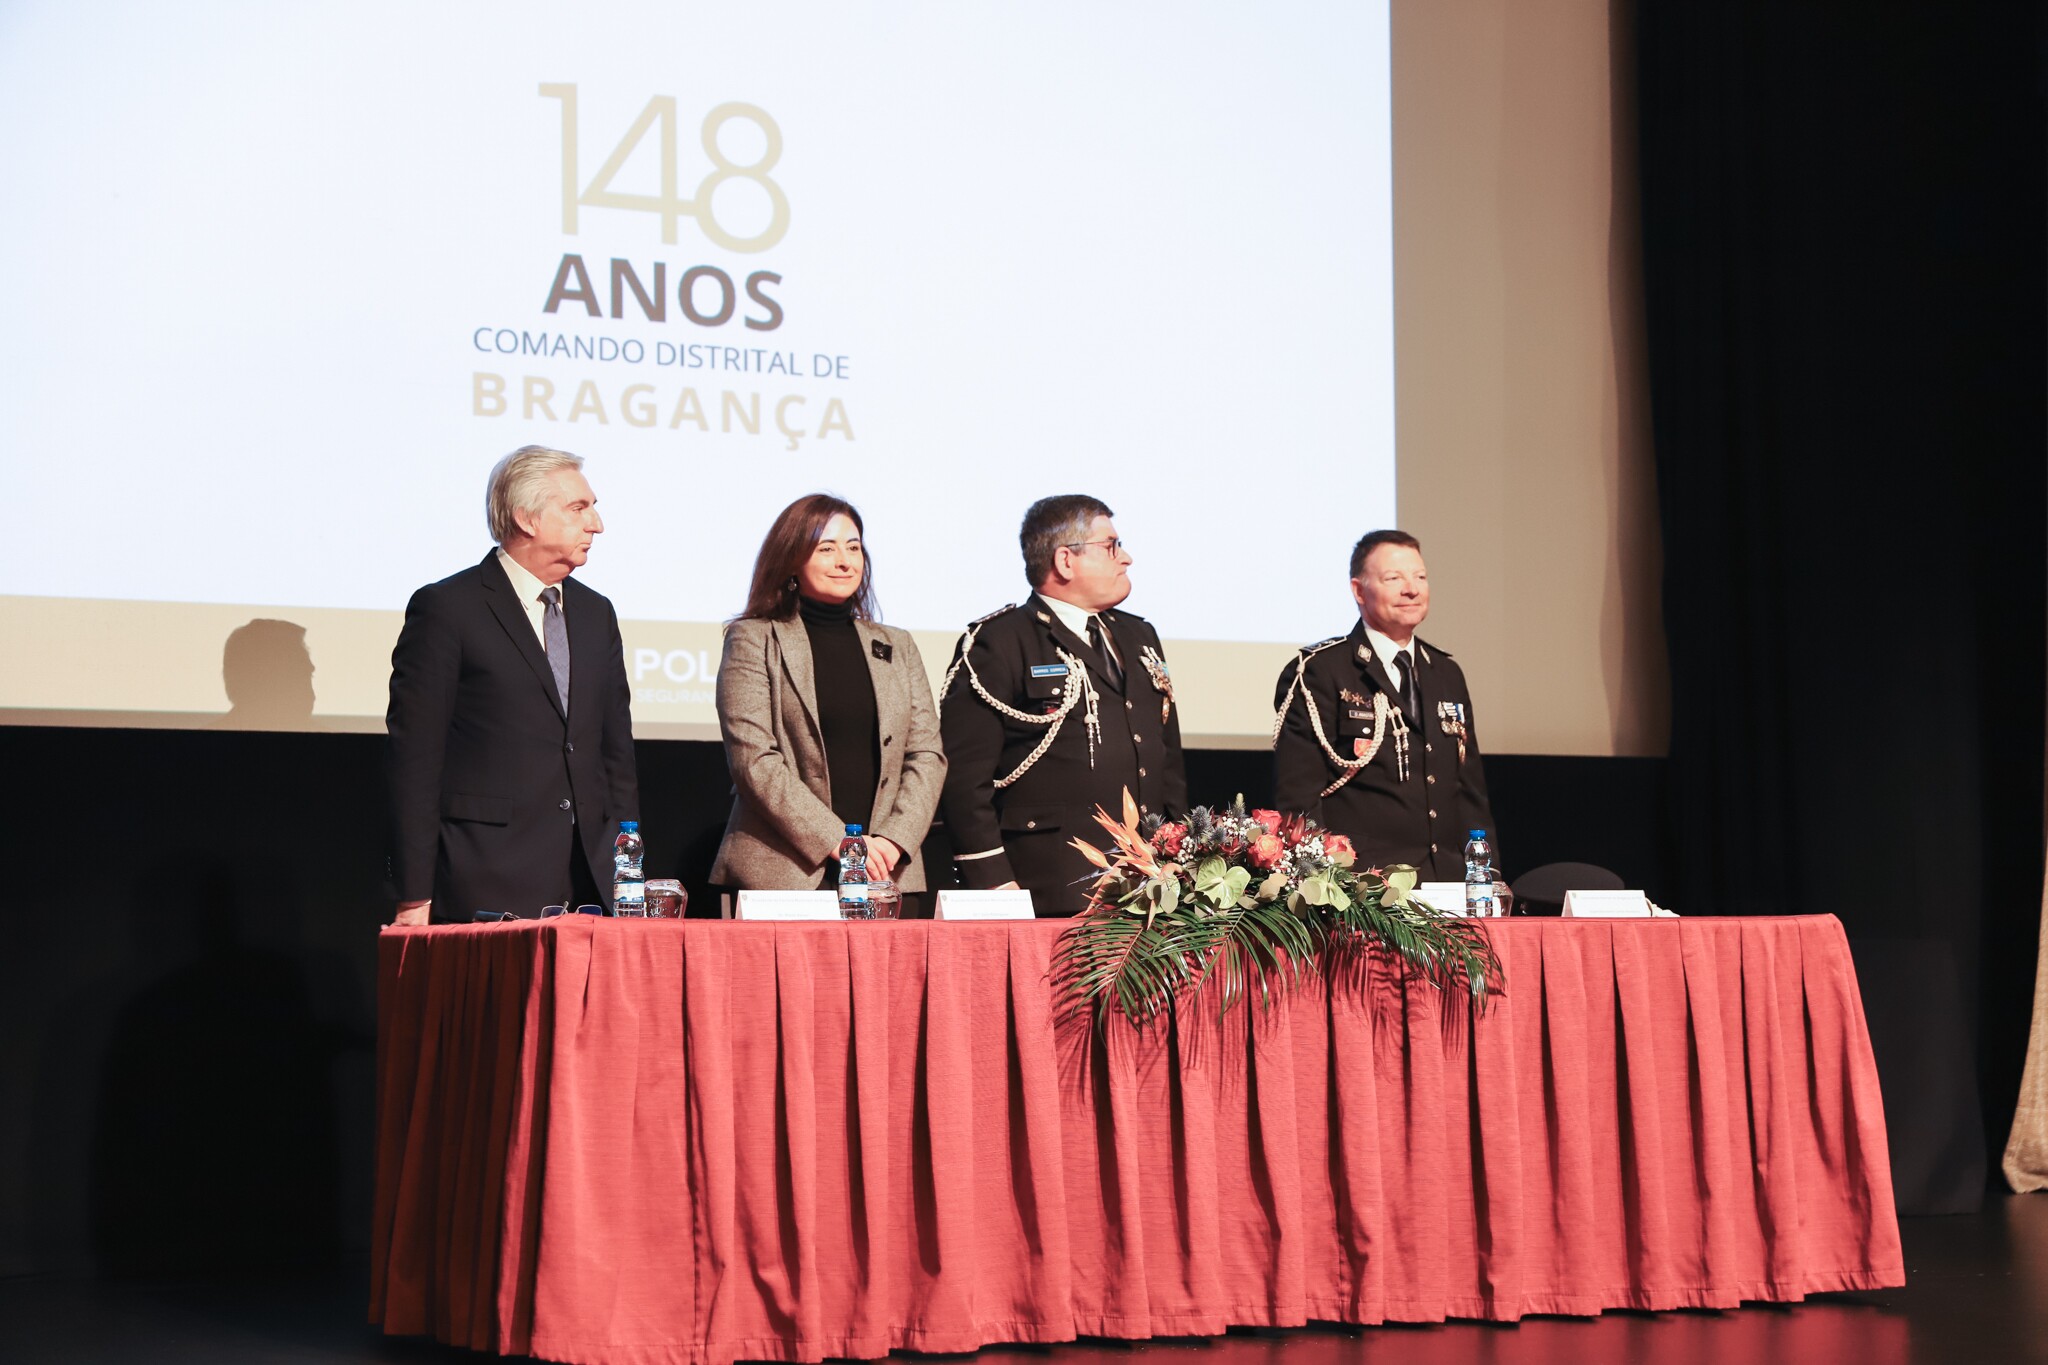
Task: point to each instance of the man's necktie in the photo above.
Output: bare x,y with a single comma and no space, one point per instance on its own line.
1110,664
555,631
1411,699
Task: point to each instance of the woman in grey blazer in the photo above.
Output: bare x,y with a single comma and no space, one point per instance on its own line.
826,713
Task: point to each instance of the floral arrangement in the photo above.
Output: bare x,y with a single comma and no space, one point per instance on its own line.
1247,901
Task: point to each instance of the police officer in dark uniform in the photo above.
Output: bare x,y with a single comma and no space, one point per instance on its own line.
1376,737
1053,708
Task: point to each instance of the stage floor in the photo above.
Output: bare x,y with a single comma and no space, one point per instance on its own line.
1977,1292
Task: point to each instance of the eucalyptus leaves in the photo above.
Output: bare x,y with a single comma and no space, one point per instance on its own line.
1247,901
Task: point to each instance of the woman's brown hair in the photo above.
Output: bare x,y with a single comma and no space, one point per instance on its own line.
788,545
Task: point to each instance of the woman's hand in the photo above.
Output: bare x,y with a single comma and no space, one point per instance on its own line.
881,851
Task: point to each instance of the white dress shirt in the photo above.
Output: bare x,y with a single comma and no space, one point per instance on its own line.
528,589
1388,651
1076,619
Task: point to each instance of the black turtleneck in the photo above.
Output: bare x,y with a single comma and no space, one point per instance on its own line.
846,709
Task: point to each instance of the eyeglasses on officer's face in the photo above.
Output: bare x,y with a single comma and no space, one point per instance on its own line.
1114,544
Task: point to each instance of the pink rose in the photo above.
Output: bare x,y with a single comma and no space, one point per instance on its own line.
1169,838
1268,820
1267,851
1340,850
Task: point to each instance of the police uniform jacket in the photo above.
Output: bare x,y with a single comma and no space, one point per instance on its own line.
1020,832
1422,818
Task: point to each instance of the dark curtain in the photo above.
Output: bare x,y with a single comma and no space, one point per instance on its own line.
1843,244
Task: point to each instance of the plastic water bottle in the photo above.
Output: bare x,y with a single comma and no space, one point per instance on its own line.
629,880
853,876
1478,876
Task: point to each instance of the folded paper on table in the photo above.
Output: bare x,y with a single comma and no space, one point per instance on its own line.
1610,905
959,904
789,905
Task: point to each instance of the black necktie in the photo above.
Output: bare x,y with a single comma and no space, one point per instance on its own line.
1113,669
1411,699
555,631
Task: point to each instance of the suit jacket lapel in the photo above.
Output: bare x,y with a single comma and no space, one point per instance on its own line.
1078,646
512,616
886,675
586,665
1368,660
795,643
1127,646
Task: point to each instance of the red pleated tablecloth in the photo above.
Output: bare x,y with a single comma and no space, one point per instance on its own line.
642,1142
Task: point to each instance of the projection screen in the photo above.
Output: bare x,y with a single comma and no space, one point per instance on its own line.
290,278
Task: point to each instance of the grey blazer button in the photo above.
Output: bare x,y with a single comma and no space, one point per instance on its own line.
565,803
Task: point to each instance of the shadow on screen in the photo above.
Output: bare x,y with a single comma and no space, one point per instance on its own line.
268,673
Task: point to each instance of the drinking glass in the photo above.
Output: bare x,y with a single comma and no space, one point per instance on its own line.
666,898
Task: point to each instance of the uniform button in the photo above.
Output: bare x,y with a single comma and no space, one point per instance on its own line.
1429,748
570,746
1141,772
565,803
1430,779
1432,848
1031,824
1137,738
1127,706
1432,815
1144,810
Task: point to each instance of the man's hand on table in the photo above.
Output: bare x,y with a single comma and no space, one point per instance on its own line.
412,914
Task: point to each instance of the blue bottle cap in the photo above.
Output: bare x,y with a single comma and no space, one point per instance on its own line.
1477,834
853,829
629,826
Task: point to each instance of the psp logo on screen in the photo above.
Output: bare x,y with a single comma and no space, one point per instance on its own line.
677,665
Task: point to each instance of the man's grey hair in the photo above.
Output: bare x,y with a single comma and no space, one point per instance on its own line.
1053,522
519,482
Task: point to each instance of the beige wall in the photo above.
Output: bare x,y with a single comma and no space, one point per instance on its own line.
1522,410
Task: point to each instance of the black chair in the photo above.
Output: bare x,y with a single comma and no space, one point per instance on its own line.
1540,890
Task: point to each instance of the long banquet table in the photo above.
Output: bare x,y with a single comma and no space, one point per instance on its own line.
648,1142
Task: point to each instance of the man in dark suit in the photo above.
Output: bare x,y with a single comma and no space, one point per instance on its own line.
1054,708
1377,740
510,757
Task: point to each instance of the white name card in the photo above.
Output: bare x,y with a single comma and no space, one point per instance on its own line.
1447,898
1611,905
788,905
957,904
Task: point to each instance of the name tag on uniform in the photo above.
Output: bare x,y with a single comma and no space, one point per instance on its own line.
1046,681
